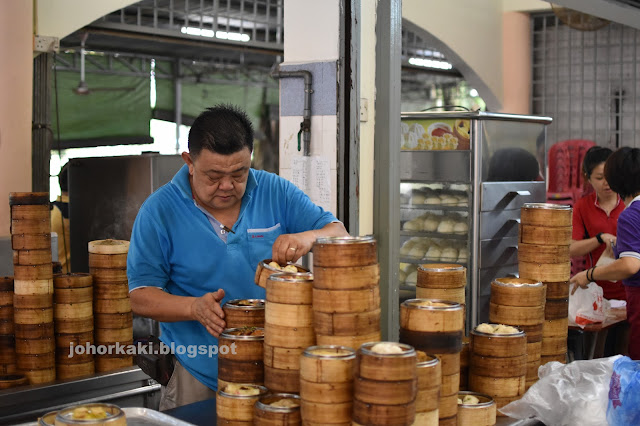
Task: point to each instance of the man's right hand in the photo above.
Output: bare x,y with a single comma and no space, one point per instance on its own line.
208,312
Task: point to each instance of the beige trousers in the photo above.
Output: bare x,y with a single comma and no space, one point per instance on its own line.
183,389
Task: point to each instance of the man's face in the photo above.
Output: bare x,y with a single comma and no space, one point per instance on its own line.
219,181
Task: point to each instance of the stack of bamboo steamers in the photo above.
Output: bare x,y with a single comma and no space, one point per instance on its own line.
33,286
7,338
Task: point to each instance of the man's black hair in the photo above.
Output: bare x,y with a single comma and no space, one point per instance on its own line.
595,156
223,129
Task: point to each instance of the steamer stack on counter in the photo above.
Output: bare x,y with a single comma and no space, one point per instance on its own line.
113,319
33,286
429,378
543,255
73,320
244,313
443,281
7,338
346,292
244,364
288,329
436,327
520,302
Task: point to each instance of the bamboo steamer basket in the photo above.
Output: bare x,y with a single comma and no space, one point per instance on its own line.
556,328
78,325
498,345
533,332
244,312
112,306
545,214
501,401
347,277
432,328
35,346
66,311
519,315
246,365
557,290
346,324
442,275
497,386
30,226
428,400
32,272
6,325
426,418
556,309
482,414
108,261
349,341
385,392
110,290
386,367
64,340
36,377
32,257
6,313
290,288
561,358
33,316
47,419
539,253
544,235
12,381
65,355
533,351
108,246
346,301
72,280
31,241
232,371
284,358
72,371
383,415
115,417
109,335
327,364
35,301
532,369
553,346
265,414
104,364
31,287
73,295
28,198
6,284
282,380
498,367
334,252
108,275
517,292
457,295
448,406
449,363
450,384
34,331
36,361
288,337
326,393
6,297
317,413
545,271
264,271
287,315
8,368
30,211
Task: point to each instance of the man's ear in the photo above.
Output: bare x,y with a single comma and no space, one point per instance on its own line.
187,159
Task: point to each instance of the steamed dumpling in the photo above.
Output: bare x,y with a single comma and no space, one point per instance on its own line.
460,228
434,253
446,226
463,255
417,198
505,329
412,278
485,328
432,200
449,254
386,348
430,223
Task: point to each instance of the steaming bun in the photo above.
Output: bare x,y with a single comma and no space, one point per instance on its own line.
386,348
285,403
241,390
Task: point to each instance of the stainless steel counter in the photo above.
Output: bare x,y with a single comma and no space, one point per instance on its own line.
128,387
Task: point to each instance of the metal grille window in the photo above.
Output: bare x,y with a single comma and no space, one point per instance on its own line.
588,81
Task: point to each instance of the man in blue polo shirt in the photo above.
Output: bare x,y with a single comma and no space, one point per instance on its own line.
198,240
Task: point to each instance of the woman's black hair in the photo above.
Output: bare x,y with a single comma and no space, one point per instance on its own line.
595,156
622,171
223,129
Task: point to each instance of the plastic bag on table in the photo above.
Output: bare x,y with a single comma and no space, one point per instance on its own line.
624,393
571,394
586,306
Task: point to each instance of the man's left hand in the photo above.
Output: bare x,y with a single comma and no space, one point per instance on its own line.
291,247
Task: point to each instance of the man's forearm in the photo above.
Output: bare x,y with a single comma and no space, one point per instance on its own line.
161,306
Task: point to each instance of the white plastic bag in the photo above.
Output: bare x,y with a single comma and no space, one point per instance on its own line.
572,394
586,306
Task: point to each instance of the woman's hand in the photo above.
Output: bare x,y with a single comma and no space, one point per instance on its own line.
579,280
207,311
610,241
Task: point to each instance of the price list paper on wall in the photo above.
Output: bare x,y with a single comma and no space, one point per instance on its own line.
313,176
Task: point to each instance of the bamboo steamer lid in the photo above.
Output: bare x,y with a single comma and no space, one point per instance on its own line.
264,271
327,364
108,261
73,295
557,290
335,252
244,312
108,246
110,290
545,214
543,235
35,346
116,417
556,309
543,253
498,345
385,392
281,380
317,413
288,336
561,358
498,386
117,320
349,341
285,358
346,324
457,295
33,287
77,325
520,315
287,315
383,415
290,288
481,414
431,315
247,347
498,367
33,301
34,211
386,367
34,331
556,328
545,271
442,275
64,340
108,335
36,377
33,272
517,292
108,275
265,414
12,381
39,361
104,364
112,306
72,371
28,198
346,277
30,226
64,311
326,393
33,316
32,257
346,301
31,241
72,280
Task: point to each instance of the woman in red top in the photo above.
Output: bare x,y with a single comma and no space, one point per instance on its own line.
595,218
